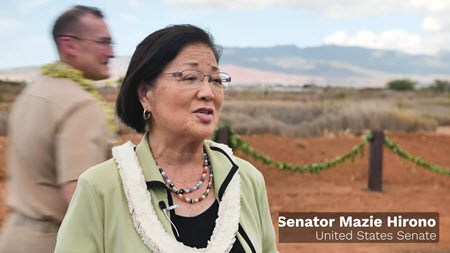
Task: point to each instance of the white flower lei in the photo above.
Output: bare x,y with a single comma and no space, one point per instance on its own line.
150,228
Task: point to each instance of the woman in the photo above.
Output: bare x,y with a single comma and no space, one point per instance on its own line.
175,191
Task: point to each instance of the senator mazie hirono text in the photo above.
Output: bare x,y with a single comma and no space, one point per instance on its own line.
396,221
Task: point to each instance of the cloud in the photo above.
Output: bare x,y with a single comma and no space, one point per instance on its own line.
391,39
7,24
436,24
331,8
434,34
133,3
431,24
345,8
430,5
436,14
230,4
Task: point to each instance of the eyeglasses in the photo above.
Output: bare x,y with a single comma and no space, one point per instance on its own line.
105,42
194,78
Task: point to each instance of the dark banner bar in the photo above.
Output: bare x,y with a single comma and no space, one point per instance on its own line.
355,227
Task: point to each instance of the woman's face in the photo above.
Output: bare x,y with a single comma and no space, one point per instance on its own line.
179,110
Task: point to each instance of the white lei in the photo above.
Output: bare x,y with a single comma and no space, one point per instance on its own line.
144,217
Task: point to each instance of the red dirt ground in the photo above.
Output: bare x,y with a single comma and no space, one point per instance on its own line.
407,188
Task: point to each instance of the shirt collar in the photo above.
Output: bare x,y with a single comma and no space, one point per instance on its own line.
148,164
222,165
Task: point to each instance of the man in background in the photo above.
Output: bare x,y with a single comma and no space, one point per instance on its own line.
56,131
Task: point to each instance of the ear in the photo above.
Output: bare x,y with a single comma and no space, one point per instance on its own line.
145,94
66,45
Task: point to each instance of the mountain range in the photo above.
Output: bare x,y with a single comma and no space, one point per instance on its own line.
322,65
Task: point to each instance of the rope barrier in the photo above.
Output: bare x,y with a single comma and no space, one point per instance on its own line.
395,148
236,143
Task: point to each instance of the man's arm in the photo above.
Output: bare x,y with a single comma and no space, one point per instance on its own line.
68,189
80,143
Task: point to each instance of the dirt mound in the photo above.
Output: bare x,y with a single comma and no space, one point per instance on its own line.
407,188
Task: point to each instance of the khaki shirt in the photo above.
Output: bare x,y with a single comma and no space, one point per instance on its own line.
99,220
56,131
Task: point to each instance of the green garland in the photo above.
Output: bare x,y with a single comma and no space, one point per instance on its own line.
417,160
59,70
236,143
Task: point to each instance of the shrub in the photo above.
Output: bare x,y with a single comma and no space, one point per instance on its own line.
401,84
2,94
3,123
119,80
441,85
340,95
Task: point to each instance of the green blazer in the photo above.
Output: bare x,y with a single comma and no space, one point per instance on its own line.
98,218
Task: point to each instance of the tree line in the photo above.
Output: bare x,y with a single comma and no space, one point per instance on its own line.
408,84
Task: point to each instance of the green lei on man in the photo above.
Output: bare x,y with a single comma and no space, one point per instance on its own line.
58,70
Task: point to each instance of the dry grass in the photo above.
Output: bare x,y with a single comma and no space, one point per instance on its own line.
311,113
325,113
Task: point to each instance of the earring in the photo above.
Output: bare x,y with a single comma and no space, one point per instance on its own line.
146,115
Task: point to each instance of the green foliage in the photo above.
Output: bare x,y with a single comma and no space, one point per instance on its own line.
415,159
19,82
2,94
3,123
441,85
401,84
266,88
236,143
340,95
310,85
120,80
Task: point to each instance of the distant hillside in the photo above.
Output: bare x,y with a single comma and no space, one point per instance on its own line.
332,60
323,65
341,65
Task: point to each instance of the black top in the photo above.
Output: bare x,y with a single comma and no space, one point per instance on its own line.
196,231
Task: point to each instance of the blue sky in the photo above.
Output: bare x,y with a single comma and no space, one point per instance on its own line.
413,26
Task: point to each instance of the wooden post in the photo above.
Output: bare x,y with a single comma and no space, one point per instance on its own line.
376,161
223,135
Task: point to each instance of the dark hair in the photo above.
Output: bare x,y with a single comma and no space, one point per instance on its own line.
69,21
148,61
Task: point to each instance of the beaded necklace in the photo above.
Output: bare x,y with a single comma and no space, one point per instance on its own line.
180,192
146,222
59,70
